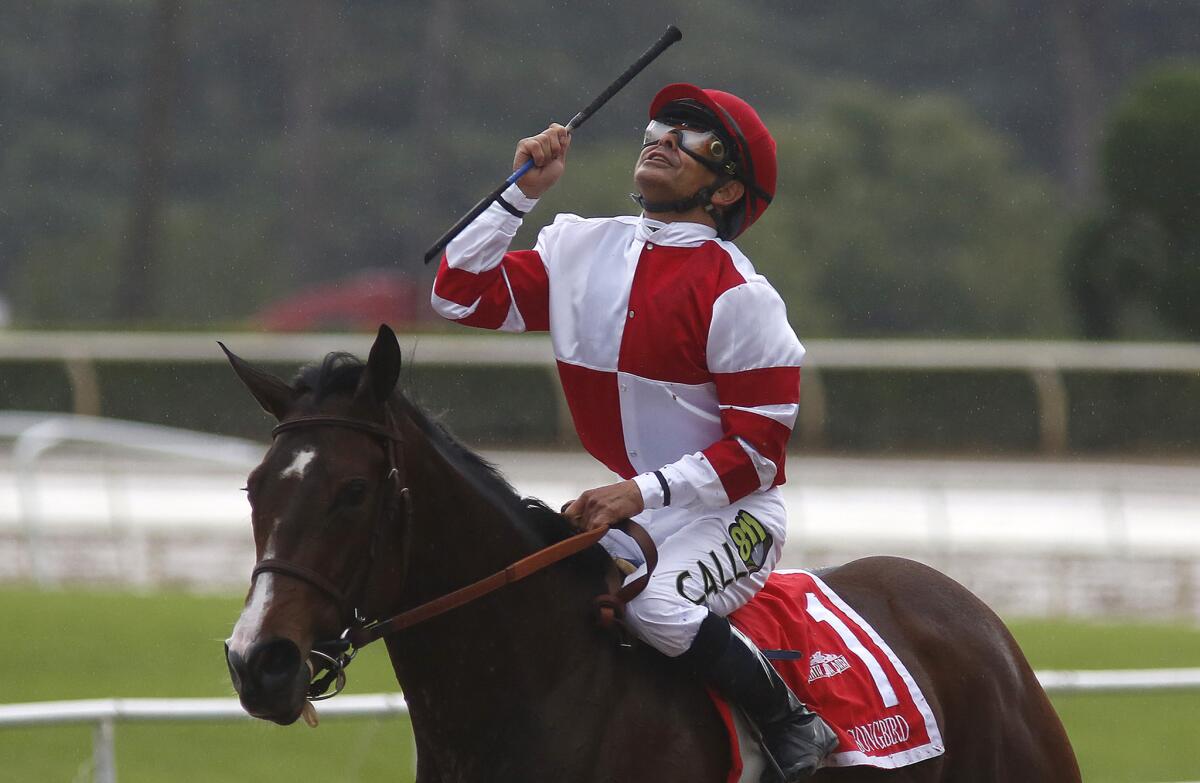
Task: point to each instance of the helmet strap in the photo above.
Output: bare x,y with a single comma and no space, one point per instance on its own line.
701,198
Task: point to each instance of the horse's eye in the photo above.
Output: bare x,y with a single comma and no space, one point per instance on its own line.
353,493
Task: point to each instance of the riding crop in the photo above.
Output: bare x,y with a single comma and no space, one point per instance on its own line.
669,37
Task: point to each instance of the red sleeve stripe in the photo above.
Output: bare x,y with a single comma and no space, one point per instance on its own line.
766,436
530,287
487,316
493,307
462,287
521,276
764,386
734,468
784,414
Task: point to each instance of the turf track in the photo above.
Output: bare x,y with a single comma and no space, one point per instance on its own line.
73,644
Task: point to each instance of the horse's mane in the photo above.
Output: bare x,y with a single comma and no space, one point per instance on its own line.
339,373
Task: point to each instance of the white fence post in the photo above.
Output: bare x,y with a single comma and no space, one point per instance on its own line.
104,751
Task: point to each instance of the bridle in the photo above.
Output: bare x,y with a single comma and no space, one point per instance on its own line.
336,654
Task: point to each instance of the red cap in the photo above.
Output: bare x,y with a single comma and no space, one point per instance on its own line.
757,169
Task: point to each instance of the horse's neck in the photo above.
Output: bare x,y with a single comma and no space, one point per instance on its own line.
460,536
459,531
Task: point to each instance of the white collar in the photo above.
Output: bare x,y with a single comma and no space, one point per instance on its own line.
678,234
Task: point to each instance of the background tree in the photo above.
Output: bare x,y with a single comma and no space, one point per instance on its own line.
142,246
1134,267
909,217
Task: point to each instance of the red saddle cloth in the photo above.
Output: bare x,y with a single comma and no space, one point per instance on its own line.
843,670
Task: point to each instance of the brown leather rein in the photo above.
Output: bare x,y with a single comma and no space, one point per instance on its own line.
336,654
524,567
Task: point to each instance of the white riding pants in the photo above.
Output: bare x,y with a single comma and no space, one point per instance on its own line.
709,560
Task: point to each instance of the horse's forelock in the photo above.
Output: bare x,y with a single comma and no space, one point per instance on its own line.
338,372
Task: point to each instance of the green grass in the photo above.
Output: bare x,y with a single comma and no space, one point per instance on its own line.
81,645
1123,738
77,644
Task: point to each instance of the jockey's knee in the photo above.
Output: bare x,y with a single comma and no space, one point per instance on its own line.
667,625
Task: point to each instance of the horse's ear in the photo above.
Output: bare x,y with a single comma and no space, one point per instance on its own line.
275,396
383,368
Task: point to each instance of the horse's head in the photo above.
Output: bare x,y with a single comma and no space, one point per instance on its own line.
320,499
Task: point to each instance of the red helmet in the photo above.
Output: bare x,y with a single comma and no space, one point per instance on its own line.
756,167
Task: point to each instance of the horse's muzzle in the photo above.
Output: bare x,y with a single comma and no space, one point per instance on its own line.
270,678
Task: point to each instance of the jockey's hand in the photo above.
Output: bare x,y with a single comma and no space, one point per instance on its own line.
605,505
549,152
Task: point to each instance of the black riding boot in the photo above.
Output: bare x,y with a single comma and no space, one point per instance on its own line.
797,738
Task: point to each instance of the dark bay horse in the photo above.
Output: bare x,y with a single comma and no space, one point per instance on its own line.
362,504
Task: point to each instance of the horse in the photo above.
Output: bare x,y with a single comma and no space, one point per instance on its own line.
364,507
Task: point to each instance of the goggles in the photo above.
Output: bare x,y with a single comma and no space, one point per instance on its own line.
702,143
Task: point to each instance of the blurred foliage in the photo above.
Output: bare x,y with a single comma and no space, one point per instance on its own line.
36,386
926,146
1151,157
1134,266
975,413
908,216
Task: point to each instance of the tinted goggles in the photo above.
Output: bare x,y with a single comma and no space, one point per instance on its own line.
703,143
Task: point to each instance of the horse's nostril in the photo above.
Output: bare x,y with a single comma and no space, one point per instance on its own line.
275,663
234,662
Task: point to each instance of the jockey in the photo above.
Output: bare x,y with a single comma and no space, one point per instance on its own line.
681,372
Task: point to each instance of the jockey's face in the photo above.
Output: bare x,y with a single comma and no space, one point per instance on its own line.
664,172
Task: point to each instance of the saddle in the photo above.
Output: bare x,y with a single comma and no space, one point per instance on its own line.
838,665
